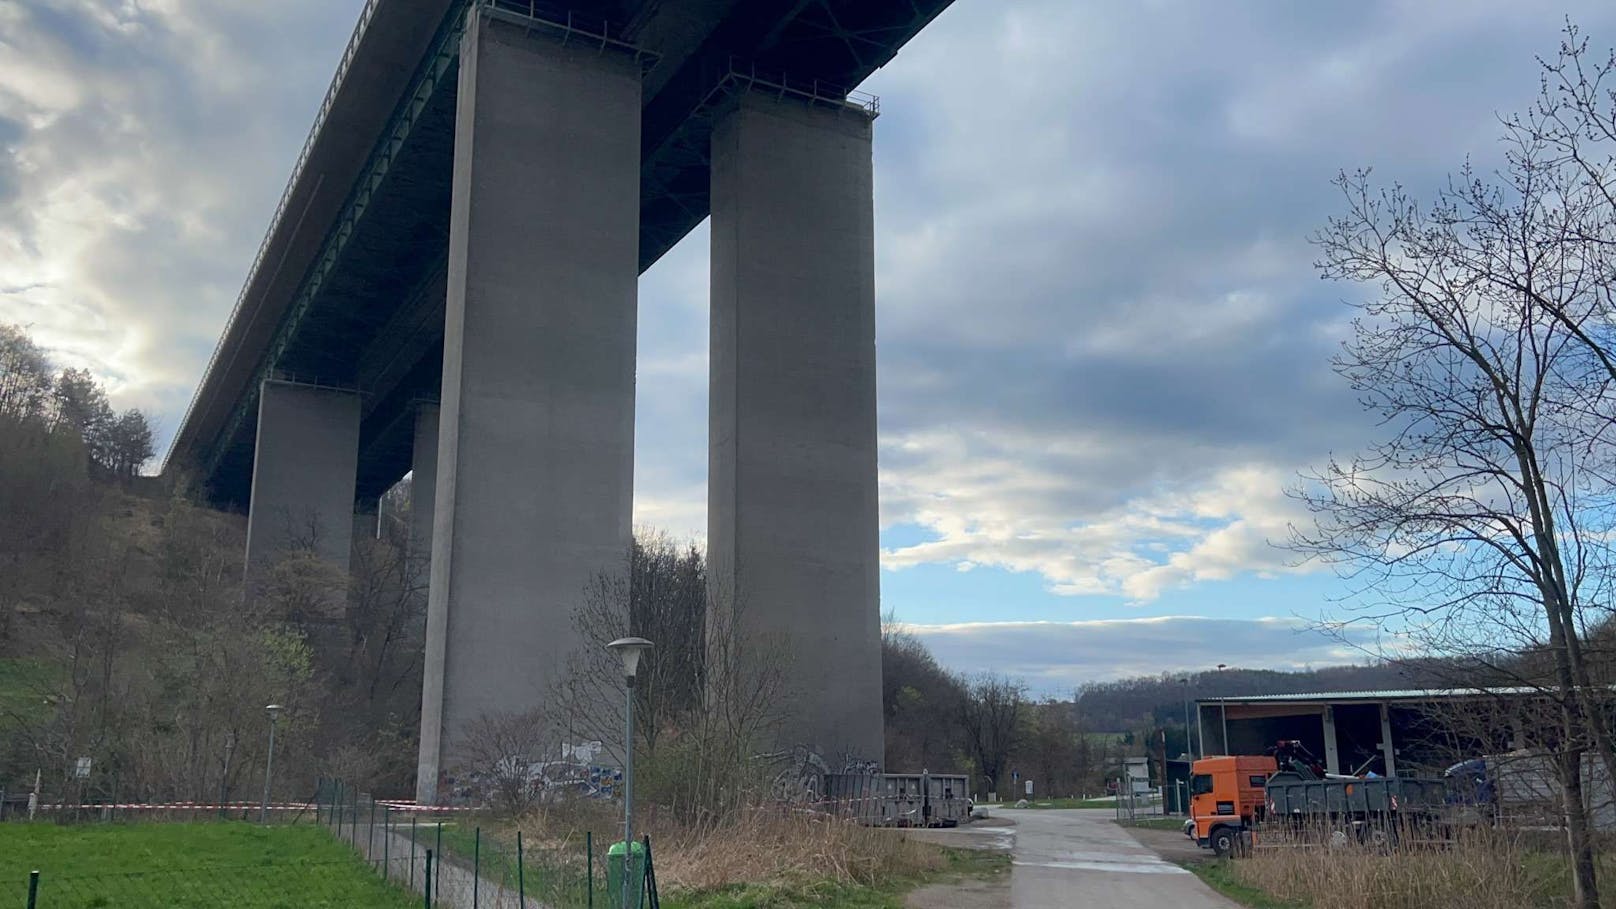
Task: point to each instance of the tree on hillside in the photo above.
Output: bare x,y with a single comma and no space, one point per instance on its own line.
991,716
29,392
26,382
1484,514
1158,700
1054,751
81,405
128,444
922,703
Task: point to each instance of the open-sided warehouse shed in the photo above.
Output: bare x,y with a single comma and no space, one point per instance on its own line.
1418,732
1386,732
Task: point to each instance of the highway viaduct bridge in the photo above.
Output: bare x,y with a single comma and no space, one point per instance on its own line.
449,286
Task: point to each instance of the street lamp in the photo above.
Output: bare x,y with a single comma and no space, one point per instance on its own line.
629,650
269,763
1223,707
1189,744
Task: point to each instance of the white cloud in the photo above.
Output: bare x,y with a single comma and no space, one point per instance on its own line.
1057,657
151,141
988,501
1103,348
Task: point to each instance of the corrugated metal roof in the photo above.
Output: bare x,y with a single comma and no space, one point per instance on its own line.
1403,694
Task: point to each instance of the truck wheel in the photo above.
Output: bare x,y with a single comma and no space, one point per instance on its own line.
1378,835
1223,842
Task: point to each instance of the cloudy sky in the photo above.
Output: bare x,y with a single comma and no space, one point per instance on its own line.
1103,348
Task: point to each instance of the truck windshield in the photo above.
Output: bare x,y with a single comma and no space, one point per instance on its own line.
1200,784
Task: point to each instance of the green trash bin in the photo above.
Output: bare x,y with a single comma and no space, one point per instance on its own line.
614,875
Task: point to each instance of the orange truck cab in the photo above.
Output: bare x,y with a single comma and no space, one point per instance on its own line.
1228,795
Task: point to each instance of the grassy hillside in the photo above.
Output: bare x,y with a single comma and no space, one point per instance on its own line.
147,866
22,684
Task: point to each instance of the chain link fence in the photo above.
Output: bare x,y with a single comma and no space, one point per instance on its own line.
449,857
415,856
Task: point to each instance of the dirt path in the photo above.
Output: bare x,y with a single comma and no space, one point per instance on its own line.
993,835
970,894
1061,855
1171,845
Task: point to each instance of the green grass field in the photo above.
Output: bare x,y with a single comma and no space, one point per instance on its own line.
21,685
155,866
554,874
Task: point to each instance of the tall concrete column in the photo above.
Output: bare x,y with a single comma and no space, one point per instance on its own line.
536,438
423,482
792,511
304,470
367,520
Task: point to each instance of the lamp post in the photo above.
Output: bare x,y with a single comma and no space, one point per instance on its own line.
1189,744
1223,708
629,650
269,763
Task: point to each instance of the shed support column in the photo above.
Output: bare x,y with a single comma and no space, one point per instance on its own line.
304,470
1332,753
1387,750
536,442
792,518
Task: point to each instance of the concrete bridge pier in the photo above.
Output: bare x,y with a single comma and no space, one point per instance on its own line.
304,471
536,432
423,483
792,509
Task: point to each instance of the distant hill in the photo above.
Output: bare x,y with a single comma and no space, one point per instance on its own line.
1159,700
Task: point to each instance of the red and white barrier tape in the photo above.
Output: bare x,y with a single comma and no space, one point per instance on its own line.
178,806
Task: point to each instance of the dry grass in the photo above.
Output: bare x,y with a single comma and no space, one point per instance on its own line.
1479,869
769,846
782,846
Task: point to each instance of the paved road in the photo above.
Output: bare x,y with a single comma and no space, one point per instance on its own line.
1081,858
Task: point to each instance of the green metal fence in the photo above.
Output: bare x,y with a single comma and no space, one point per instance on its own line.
415,857
472,866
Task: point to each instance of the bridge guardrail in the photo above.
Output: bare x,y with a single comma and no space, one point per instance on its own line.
360,28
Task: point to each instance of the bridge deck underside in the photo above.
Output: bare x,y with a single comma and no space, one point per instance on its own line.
373,319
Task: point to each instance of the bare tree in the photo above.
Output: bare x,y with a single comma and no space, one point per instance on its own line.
746,697
1574,120
385,623
25,376
662,598
708,699
1482,517
502,756
991,716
